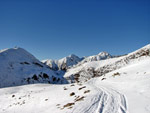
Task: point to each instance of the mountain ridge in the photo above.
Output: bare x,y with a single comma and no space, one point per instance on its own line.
18,67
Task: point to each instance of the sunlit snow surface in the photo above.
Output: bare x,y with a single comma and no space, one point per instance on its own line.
124,90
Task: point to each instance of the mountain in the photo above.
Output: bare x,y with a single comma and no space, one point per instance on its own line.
51,63
18,67
100,56
114,85
73,60
85,71
64,63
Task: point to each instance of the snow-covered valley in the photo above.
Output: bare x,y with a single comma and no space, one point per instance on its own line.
97,84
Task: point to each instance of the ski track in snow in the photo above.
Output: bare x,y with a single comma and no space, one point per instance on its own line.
103,96
101,100
105,100
110,101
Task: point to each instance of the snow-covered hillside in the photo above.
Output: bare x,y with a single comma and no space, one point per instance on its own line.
64,63
74,61
109,85
100,56
133,81
87,70
18,67
126,92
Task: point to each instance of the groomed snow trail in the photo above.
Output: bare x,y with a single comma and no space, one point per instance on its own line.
102,100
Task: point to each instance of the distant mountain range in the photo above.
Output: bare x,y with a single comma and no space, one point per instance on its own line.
100,83
18,67
72,60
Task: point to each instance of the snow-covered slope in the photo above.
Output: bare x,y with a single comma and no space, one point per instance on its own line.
100,56
75,98
64,63
114,85
126,92
18,67
133,81
51,63
88,70
74,61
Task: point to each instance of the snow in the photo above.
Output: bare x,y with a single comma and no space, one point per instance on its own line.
54,97
134,83
87,70
124,89
17,66
98,57
64,63
93,64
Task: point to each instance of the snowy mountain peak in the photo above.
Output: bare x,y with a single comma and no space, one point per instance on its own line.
18,67
14,54
64,63
105,83
88,69
98,57
103,53
72,55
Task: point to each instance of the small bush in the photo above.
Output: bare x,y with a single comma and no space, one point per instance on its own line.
65,88
79,98
87,91
103,78
116,74
46,99
69,104
82,87
72,85
71,94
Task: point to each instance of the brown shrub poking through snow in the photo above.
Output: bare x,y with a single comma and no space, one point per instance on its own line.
82,87
72,85
103,79
76,77
68,105
46,99
116,74
71,94
65,88
79,98
58,105
87,91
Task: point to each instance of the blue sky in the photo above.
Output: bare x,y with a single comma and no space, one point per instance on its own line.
56,28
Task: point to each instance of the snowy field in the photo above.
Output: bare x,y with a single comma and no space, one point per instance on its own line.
127,92
126,89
